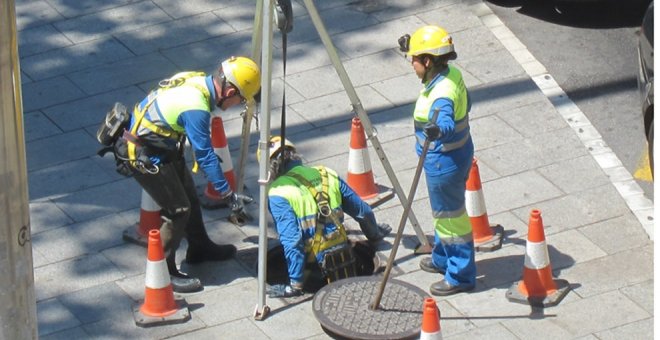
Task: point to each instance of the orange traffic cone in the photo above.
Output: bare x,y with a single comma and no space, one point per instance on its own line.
360,176
486,237
537,287
159,306
149,220
430,321
211,198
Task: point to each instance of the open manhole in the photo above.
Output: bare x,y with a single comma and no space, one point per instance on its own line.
277,272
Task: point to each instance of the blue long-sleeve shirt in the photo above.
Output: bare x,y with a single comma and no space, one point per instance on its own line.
197,126
439,162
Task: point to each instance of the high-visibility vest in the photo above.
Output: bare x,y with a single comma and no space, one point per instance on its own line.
451,86
305,206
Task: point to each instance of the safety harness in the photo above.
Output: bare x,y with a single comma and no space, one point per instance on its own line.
142,163
339,261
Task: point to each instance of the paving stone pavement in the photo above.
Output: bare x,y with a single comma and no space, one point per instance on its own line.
536,150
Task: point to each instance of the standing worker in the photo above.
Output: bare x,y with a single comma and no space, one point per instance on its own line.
307,205
447,163
151,150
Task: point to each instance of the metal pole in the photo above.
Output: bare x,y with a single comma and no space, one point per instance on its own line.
407,209
249,109
364,118
18,312
264,136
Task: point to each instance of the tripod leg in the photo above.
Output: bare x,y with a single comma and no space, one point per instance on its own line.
424,247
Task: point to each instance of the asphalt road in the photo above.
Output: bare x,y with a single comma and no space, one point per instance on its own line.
590,50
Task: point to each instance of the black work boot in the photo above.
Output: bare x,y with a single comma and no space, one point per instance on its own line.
427,265
384,230
443,288
182,283
210,252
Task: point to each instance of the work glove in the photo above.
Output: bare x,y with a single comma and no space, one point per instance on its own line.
431,131
283,291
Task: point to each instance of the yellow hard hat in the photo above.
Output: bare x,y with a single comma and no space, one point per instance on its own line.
243,73
274,146
432,40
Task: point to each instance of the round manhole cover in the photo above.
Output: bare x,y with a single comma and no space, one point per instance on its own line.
342,309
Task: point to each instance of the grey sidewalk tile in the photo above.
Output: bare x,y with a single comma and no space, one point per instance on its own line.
129,258
400,91
202,54
323,5
394,11
40,39
123,73
533,119
231,330
569,248
580,318
642,294
376,38
505,266
642,329
510,159
626,227
63,61
225,304
38,259
520,190
552,151
127,329
370,68
453,18
335,21
631,267
45,93
489,307
75,8
68,334
90,111
515,230
100,201
59,149
503,95
174,33
392,124
474,42
302,57
180,9
494,332
585,173
492,131
280,324
102,302
218,275
316,82
37,125
35,13
494,66
111,20
577,209
79,239
241,16
336,107
53,317
72,275
46,215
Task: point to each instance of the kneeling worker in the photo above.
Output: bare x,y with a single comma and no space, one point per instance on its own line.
307,206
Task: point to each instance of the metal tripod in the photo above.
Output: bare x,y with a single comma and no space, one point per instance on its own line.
263,32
